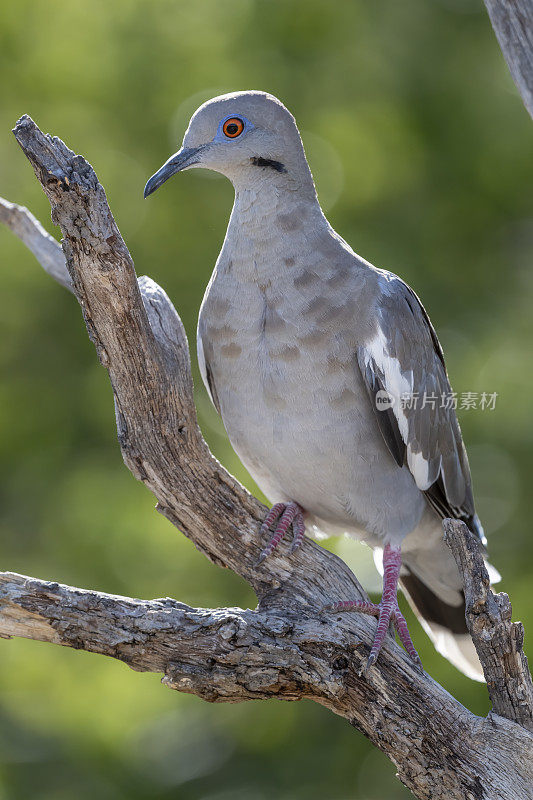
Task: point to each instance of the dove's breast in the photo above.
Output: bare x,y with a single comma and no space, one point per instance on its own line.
279,362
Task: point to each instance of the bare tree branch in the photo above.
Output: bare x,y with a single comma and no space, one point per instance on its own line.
288,647
497,639
512,21
229,655
43,246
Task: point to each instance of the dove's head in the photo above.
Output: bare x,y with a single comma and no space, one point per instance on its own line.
243,135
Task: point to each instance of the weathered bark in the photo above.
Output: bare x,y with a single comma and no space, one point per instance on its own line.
497,639
512,21
289,647
229,655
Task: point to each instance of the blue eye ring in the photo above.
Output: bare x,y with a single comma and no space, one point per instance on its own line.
237,119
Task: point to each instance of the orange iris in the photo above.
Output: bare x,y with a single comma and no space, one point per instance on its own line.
233,127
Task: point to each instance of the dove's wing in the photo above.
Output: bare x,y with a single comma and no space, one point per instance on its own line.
206,373
404,359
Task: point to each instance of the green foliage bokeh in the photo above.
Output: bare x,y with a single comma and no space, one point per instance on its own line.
422,154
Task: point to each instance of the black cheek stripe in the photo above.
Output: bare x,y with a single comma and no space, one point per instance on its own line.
268,162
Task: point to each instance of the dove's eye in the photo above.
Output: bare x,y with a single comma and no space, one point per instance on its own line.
233,127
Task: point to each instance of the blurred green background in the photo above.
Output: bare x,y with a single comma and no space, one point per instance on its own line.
422,154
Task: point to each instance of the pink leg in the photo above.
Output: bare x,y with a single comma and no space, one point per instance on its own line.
386,610
283,515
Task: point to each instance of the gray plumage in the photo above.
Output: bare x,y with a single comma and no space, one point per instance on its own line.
297,334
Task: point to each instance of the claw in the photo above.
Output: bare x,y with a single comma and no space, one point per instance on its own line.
372,658
284,515
298,527
386,610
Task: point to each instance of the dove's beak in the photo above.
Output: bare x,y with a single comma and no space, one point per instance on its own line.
181,160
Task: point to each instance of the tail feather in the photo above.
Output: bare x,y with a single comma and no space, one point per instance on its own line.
444,623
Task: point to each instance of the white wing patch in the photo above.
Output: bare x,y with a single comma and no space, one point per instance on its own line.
419,467
400,387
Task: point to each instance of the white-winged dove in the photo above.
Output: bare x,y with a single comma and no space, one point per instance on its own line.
318,364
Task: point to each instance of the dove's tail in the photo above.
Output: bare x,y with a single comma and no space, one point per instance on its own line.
431,582
444,623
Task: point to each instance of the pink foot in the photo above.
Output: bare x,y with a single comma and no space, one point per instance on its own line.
386,610
283,515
